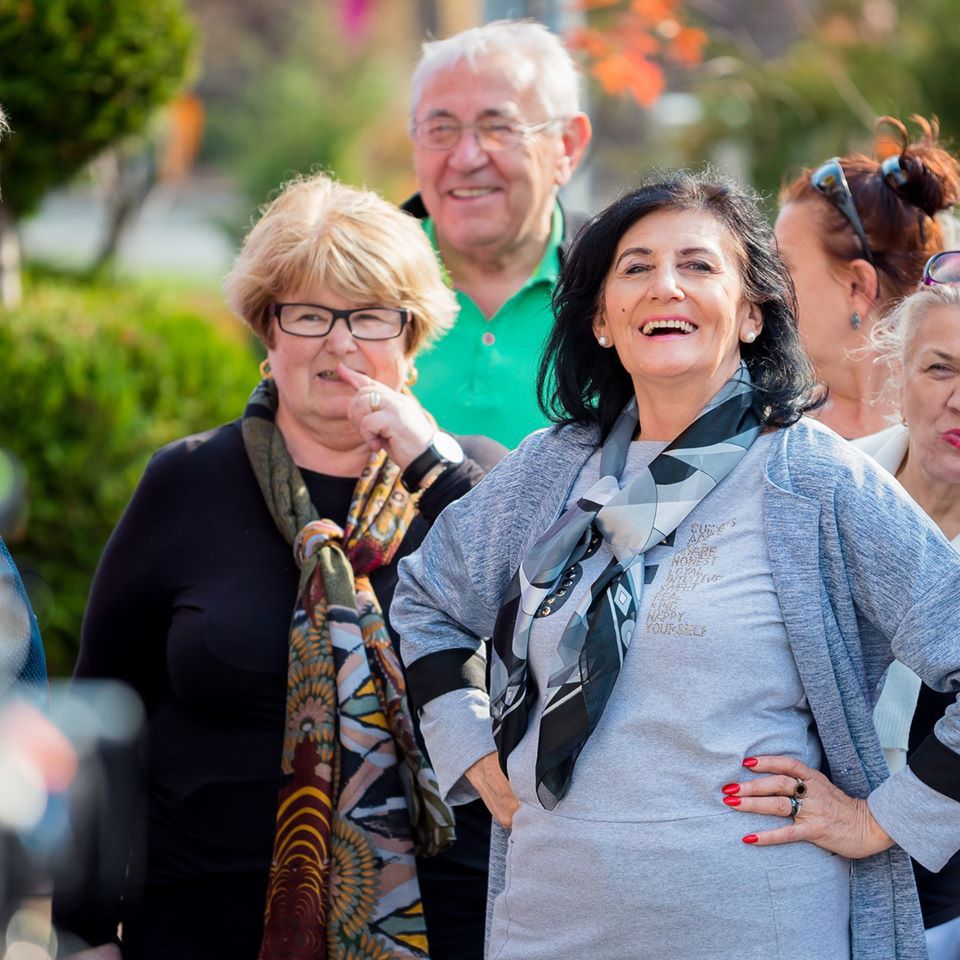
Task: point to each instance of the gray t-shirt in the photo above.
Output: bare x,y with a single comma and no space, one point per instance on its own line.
642,850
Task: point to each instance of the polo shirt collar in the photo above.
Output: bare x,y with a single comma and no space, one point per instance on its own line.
548,270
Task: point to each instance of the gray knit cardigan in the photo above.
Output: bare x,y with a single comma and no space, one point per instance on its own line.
862,576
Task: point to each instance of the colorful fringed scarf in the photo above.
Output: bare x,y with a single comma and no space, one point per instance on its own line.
358,797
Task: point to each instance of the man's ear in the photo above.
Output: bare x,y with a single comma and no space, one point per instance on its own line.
574,139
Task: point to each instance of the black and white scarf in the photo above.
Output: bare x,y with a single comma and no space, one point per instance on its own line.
631,520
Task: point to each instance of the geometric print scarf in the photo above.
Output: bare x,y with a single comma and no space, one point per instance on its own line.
358,799
630,519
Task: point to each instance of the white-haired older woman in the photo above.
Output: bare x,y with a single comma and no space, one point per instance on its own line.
920,341
243,595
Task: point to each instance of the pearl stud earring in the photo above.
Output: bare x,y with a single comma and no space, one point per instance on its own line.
602,340
750,337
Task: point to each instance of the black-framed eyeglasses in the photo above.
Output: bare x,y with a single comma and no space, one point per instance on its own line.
941,268
829,180
364,323
492,133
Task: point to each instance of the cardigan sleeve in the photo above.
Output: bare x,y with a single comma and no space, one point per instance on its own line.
446,603
905,578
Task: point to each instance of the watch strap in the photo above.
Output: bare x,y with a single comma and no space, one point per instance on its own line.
419,467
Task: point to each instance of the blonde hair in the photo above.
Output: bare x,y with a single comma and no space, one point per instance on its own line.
364,249
892,337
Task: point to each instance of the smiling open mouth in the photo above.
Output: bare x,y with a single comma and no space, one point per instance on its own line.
657,327
467,193
328,375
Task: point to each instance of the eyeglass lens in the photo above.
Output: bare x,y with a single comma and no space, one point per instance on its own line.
310,320
492,133
943,268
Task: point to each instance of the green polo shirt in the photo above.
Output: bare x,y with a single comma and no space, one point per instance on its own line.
481,377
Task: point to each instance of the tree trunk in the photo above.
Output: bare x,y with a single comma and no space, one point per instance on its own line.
11,288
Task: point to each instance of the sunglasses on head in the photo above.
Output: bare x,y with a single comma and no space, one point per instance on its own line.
829,180
942,268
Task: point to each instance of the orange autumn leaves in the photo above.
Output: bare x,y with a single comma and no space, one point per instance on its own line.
627,44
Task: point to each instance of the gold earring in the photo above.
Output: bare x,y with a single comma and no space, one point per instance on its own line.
411,378
265,372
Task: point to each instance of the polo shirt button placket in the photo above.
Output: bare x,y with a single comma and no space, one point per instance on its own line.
488,339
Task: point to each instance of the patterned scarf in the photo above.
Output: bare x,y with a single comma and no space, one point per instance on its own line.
358,797
631,520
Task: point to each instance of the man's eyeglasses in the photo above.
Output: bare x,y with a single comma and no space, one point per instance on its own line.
364,323
829,180
492,133
942,268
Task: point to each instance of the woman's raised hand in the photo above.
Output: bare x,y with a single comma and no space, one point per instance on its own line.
387,419
489,781
821,814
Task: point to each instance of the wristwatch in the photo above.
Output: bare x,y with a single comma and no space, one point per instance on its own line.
442,452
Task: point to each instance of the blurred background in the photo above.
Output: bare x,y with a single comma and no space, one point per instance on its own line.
144,137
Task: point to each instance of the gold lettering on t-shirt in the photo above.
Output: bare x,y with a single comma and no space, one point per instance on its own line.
690,566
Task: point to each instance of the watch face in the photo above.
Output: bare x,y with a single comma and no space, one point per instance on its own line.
448,448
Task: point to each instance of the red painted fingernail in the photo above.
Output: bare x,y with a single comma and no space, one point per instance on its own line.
750,838
732,801
731,788
750,762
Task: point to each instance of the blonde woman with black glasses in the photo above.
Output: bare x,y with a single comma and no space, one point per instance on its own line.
244,596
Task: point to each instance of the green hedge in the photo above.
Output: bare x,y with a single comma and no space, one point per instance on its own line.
94,380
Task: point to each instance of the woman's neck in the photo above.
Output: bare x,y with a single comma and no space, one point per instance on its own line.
666,410
939,501
664,415
855,406
332,447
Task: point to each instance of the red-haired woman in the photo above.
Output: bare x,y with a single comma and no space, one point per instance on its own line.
855,233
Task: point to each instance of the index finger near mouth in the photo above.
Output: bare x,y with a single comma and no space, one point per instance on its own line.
354,378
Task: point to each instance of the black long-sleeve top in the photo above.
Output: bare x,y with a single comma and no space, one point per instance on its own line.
191,606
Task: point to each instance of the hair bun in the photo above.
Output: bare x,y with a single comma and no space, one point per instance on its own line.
932,174
931,186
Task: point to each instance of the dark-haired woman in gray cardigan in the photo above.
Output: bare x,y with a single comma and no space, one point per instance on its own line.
693,595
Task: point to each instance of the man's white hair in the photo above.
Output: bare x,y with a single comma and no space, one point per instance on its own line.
4,126
527,53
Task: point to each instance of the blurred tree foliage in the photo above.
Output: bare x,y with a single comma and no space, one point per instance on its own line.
96,378
853,61
75,76
324,103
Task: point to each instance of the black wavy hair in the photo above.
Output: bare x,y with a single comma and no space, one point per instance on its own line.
581,382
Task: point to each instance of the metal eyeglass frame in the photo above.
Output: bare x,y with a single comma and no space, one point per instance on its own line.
830,182
524,130
343,315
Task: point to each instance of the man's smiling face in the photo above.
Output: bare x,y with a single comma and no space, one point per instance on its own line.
487,202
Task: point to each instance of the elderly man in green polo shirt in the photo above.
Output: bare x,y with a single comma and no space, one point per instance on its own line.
497,130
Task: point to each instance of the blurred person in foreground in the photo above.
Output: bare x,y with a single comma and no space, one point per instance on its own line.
21,650
855,233
243,595
920,343
497,130
693,592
